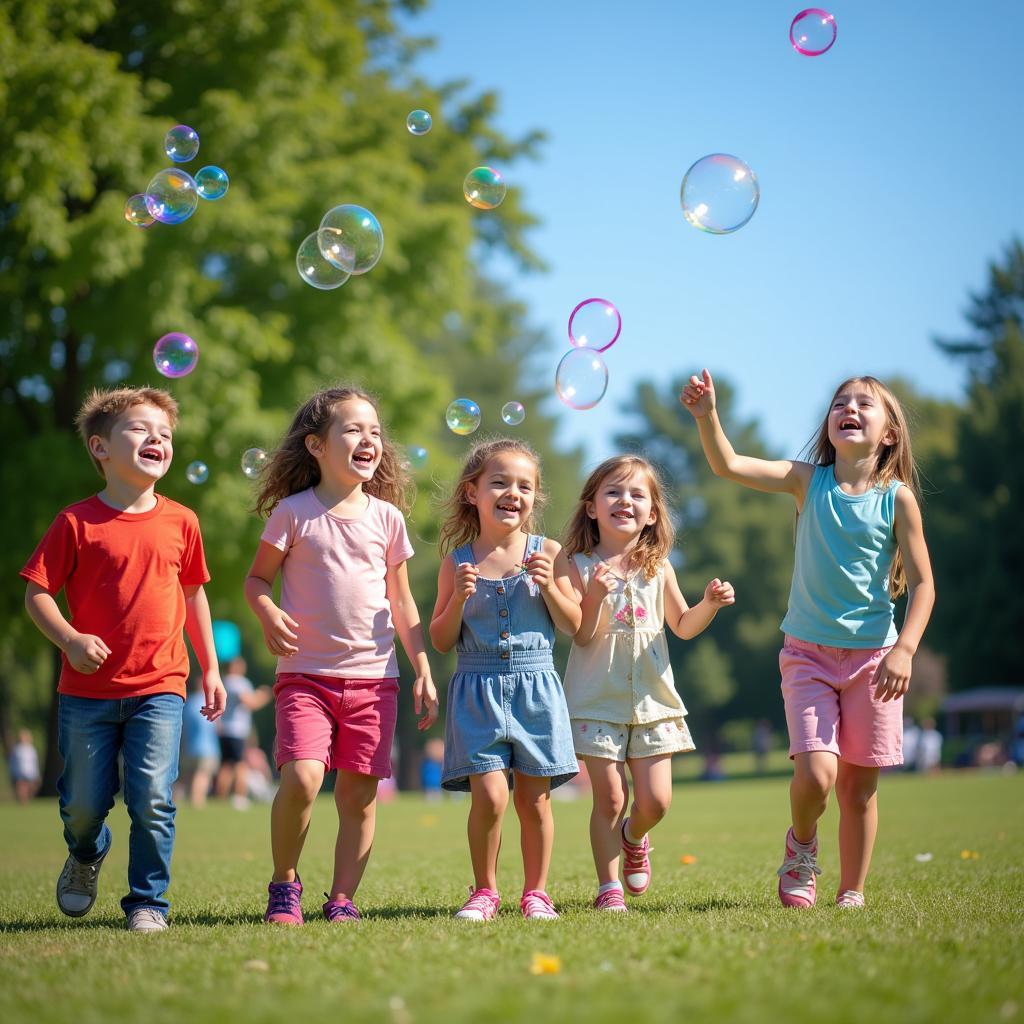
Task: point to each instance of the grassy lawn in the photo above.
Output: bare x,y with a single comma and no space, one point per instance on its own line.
940,939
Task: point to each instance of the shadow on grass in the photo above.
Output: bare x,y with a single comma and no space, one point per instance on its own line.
117,923
400,913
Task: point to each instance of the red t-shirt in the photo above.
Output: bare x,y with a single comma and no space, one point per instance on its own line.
122,574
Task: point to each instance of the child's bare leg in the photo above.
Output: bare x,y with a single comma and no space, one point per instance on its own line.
610,789
356,799
532,797
289,817
857,793
652,793
489,800
814,775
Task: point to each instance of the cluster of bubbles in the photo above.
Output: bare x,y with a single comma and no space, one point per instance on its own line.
581,378
173,194
348,241
463,415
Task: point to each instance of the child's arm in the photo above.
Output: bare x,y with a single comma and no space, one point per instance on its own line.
406,617
892,679
688,622
279,628
199,628
549,569
454,587
85,652
602,583
775,475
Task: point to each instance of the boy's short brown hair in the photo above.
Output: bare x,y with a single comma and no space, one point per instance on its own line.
101,409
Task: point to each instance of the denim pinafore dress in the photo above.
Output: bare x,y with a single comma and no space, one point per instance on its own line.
506,707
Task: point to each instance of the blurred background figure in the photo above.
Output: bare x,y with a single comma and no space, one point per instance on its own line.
24,767
929,747
200,750
259,775
1017,743
911,743
430,768
761,743
234,728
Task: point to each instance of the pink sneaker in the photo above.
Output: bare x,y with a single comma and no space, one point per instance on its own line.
285,903
340,910
611,899
536,905
850,898
636,863
482,905
796,876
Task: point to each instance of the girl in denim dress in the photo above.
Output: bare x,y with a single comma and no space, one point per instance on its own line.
501,595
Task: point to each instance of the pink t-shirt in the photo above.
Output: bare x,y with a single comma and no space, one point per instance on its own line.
332,585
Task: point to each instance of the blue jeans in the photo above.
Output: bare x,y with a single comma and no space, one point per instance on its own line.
146,732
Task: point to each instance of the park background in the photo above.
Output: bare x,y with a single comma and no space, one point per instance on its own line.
887,242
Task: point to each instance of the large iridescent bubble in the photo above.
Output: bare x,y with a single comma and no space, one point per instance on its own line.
314,269
172,197
594,323
813,32
462,416
484,188
581,378
175,355
351,238
181,143
719,194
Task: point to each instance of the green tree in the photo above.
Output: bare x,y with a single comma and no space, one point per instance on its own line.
975,532
303,102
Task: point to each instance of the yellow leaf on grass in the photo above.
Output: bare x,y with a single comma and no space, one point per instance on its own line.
687,858
543,963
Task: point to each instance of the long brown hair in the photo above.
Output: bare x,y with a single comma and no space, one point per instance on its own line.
656,539
895,461
461,522
292,468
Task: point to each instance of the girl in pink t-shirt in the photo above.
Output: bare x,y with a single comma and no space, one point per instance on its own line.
336,535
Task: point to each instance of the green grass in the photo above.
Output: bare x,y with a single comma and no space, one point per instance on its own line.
939,940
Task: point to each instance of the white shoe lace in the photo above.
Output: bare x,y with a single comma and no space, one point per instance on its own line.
803,862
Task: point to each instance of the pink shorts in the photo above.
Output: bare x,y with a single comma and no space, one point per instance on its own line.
346,723
829,693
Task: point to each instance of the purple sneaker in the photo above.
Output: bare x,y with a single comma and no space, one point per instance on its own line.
340,910
285,903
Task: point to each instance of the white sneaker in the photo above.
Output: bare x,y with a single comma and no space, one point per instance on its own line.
77,885
146,919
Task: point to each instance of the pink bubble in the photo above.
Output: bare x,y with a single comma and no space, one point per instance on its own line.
594,324
175,355
812,32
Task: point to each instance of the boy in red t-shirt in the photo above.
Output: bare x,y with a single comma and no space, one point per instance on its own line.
131,565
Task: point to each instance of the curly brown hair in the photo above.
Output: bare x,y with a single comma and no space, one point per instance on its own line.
656,539
292,468
461,522
102,406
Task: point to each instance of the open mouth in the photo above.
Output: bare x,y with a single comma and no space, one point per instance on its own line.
511,509
151,455
363,458
849,424
624,516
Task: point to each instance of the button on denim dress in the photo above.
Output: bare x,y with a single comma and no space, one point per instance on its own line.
506,708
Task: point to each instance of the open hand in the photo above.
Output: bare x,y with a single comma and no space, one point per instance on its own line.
892,677
699,395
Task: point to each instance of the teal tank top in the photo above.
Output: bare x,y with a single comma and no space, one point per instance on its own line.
844,550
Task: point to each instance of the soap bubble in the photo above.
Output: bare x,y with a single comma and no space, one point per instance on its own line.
513,413
462,416
171,196
484,188
419,122
417,456
351,238
175,354
594,323
813,32
137,212
719,194
581,378
211,182
197,472
253,461
181,143
314,269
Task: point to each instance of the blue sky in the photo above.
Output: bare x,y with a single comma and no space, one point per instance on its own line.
889,170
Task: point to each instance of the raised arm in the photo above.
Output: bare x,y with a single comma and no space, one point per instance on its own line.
687,622
549,569
774,475
454,586
590,599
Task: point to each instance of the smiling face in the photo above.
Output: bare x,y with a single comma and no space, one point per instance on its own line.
140,446
351,449
505,490
622,505
857,420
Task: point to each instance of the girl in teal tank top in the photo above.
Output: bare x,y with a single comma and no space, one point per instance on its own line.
845,667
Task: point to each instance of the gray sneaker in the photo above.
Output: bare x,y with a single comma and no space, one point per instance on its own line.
146,919
76,887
